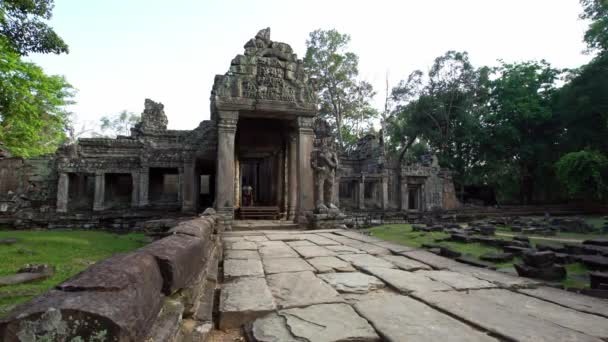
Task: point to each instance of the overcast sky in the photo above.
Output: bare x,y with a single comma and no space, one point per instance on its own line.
123,51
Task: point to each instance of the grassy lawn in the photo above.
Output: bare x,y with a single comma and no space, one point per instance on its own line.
68,251
403,234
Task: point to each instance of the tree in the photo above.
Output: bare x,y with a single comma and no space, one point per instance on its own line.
342,98
119,124
583,174
520,122
22,24
596,11
32,106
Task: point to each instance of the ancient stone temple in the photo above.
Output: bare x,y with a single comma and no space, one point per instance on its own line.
257,157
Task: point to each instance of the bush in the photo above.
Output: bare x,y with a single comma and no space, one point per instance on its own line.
582,174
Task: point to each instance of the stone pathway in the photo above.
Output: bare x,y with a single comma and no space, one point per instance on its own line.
339,285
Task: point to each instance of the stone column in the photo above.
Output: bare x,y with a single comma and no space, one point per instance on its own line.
293,175
63,192
361,195
279,179
135,189
404,194
422,198
188,188
224,189
384,193
144,184
306,199
100,190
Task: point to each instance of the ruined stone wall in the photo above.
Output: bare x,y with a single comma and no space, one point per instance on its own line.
27,184
161,292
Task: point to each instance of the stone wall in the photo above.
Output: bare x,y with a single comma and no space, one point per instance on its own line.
161,292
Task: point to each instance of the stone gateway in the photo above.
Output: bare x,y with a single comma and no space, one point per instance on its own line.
262,155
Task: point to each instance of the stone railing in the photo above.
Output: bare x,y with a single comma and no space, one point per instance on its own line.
161,292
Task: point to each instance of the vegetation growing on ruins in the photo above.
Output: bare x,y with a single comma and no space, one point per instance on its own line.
69,252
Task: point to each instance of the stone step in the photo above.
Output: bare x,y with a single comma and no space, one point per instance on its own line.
236,226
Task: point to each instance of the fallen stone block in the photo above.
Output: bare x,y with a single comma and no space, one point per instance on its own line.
497,257
539,259
594,262
598,280
550,273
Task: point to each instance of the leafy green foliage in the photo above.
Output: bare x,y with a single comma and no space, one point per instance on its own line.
583,173
596,11
22,23
342,98
119,124
32,106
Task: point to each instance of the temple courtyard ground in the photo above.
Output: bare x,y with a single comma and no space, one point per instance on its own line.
339,285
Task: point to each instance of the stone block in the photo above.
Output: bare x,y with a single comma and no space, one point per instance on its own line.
239,306
282,265
352,282
234,268
330,264
201,228
539,259
300,289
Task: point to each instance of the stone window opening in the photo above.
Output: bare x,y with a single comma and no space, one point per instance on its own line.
164,185
118,190
81,191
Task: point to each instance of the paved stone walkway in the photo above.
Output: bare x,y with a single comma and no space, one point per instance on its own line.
339,285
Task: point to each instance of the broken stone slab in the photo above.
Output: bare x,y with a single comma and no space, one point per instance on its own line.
407,282
8,241
549,273
498,278
299,289
330,264
449,253
341,249
234,268
201,228
594,262
433,260
534,307
277,251
358,236
469,260
497,257
456,280
119,297
366,260
352,282
319,240
539,259
313,251
167,325
243,245
283,237
322,323
243,300
180,259
598,280
507,322
281,265
256,238
569,299
596,242
394,247
241,254
400,318
28,273
300,243
405,264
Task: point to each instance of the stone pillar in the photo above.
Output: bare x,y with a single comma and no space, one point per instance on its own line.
361,195
135,190
422,198
279,179
188,188
293,175
224,189
306,198
404,194
100,190
144,184
63,192
384,193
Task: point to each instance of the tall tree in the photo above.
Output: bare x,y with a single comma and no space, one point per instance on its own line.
22,24
32,106
596,11
119,124
341,96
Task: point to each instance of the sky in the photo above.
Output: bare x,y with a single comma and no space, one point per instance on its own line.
124,51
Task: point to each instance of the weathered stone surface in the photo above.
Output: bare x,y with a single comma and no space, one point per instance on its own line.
365,260
319,240
234,268
180,259
498,278
431,259
572,300
399,318
394,247
167,325
281,265
358,236
506,321
241,254
300,243
283,237
596,242
352,282
119,297
237,304
313,251
406,264
456,280
277,251
539,259
271,328
201,228
497,257
300,289
330,264
256,238
245,245
550,273
341,249
407,282
21,278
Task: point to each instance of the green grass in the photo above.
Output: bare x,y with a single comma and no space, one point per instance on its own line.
403,234
68,251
